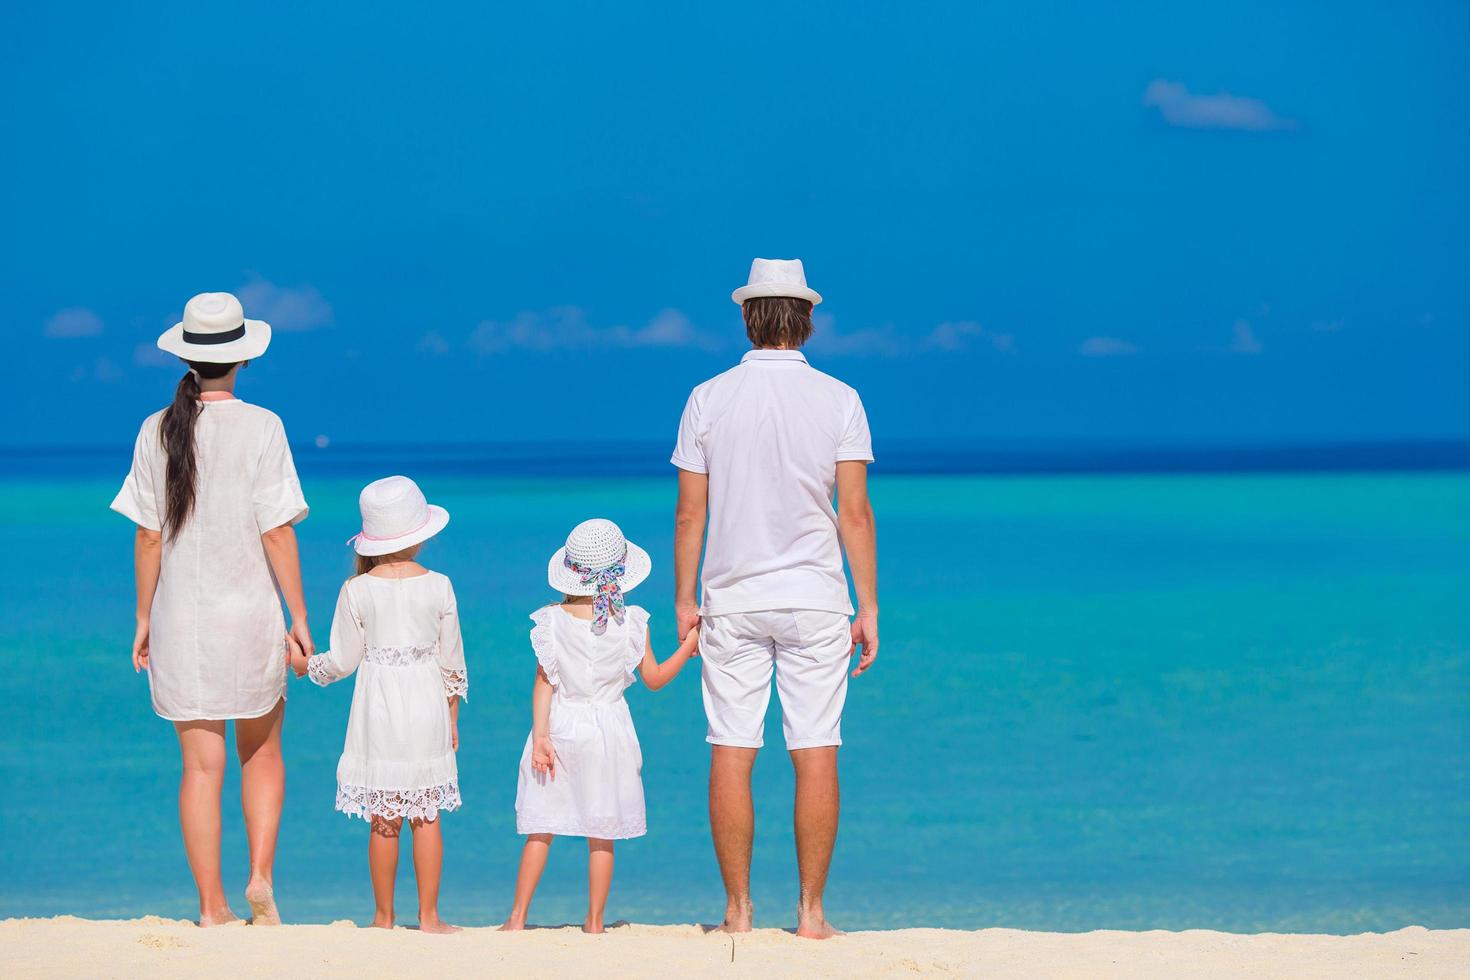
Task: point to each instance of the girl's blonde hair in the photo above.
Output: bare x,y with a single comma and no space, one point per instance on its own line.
366,563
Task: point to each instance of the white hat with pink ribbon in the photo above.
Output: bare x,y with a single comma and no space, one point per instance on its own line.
395,516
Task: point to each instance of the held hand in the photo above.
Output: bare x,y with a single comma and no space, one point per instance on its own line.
140,647
686,615
865,635
543,756
301,633
295,656
690,646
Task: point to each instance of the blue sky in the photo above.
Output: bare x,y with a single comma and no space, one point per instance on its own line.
1179,223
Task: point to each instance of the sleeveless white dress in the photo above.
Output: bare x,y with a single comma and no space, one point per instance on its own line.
217,643
598,786
402,637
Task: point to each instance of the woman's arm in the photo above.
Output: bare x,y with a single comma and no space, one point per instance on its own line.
655,675
543,756
147,558
285,559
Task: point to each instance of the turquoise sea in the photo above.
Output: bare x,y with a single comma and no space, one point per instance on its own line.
1169,701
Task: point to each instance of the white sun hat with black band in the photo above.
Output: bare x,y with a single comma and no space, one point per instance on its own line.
214,330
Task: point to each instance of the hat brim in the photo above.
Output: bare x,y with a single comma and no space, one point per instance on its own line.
257,338
561,578
373,547
754,290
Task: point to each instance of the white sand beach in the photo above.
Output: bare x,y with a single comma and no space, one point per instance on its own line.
156,947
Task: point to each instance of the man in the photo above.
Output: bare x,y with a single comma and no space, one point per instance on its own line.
761,449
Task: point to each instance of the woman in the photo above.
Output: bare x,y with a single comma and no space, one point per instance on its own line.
214,493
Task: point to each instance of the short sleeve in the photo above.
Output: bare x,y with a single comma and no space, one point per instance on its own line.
141,493
635,632
543,644
277,495
856,444
688,449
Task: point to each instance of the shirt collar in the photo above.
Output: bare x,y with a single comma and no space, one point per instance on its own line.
773,355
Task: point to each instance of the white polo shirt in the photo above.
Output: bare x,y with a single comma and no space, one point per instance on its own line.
770,433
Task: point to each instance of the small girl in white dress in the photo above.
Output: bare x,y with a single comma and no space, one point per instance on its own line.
580,773
397,625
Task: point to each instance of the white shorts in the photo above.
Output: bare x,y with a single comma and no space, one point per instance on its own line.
809,650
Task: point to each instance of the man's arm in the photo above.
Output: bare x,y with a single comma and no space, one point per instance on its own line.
859,538
689,521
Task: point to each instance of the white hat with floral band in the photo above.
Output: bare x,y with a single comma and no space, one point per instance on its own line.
214,330
598,561
395,516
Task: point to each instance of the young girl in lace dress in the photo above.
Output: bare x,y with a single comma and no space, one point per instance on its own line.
580,773
396,624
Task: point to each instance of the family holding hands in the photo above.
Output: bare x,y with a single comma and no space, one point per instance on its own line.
762,448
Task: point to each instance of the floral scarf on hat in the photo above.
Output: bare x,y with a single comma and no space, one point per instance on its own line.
609,597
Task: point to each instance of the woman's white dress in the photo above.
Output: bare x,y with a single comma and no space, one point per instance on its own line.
598,786
402,637
216,631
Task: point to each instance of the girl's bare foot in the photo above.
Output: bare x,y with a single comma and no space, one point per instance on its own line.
592,924
434,926
262,899
738,917
218,917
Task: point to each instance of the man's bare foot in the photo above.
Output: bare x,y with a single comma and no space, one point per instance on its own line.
592,925
816,927
219,917
435,927
738,917
262,899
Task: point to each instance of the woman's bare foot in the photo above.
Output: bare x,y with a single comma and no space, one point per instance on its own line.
514,924
217,917
382,921
592,924
262,899
435,927
738,917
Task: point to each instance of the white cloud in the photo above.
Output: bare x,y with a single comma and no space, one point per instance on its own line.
298,308
103,369
148,355
434,343
1327,326
886,341
1245,341
1181,107
1106,347
73,322
567,327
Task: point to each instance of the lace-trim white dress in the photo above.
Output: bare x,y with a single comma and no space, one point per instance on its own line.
216,646
598,786
402,637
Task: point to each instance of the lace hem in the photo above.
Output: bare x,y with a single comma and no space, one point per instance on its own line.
543,644
456,683
410,804
605,829
399,656
318,669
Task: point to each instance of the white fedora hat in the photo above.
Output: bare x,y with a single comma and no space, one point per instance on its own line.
214,330
595,545
395,516
776,277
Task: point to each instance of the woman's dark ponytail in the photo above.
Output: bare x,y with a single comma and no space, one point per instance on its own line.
177,435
